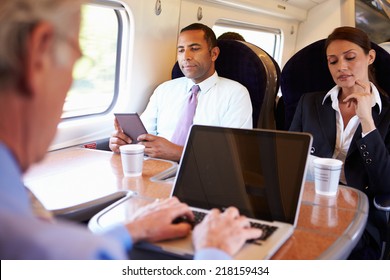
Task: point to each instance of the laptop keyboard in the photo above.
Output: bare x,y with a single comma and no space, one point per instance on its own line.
198,217
267,229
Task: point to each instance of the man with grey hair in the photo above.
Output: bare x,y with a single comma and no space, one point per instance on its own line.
38,48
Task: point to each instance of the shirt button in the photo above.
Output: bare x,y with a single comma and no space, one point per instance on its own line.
365,154
368,161
312,150
363,147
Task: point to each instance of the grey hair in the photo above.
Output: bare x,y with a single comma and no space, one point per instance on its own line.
17,20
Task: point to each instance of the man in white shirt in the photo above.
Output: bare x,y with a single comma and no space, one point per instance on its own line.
220,102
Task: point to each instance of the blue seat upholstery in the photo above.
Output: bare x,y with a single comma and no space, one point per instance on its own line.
256,70
306,71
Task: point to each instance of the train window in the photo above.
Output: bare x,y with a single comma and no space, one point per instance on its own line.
269,39
94,88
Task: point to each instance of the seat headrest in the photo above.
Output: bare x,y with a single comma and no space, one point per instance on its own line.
306,71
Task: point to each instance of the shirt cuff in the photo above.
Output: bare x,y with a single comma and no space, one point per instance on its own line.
121,234
211,254
365,134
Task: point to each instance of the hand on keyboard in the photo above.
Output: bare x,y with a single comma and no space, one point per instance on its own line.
184,219
153,222
227,231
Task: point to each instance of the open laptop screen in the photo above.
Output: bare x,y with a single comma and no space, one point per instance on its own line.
260,172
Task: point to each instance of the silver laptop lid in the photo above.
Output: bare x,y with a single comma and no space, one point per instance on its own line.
261,172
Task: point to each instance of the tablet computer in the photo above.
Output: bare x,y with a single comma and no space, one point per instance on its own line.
131,125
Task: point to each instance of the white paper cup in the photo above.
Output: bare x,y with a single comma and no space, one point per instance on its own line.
327,175
132,156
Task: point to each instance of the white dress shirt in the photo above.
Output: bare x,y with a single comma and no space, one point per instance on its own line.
221,102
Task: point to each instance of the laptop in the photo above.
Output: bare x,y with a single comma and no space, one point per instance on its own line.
261,172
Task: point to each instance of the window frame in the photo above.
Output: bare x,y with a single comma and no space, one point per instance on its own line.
238,25
122,19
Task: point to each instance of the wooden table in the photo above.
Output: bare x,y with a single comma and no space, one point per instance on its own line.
328,227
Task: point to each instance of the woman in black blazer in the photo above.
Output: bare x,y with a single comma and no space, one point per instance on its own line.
351,122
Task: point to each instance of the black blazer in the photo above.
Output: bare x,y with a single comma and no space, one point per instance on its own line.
367,165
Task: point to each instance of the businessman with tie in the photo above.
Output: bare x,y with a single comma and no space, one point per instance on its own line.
201,97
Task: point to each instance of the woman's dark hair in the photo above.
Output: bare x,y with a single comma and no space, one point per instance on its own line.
358,37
